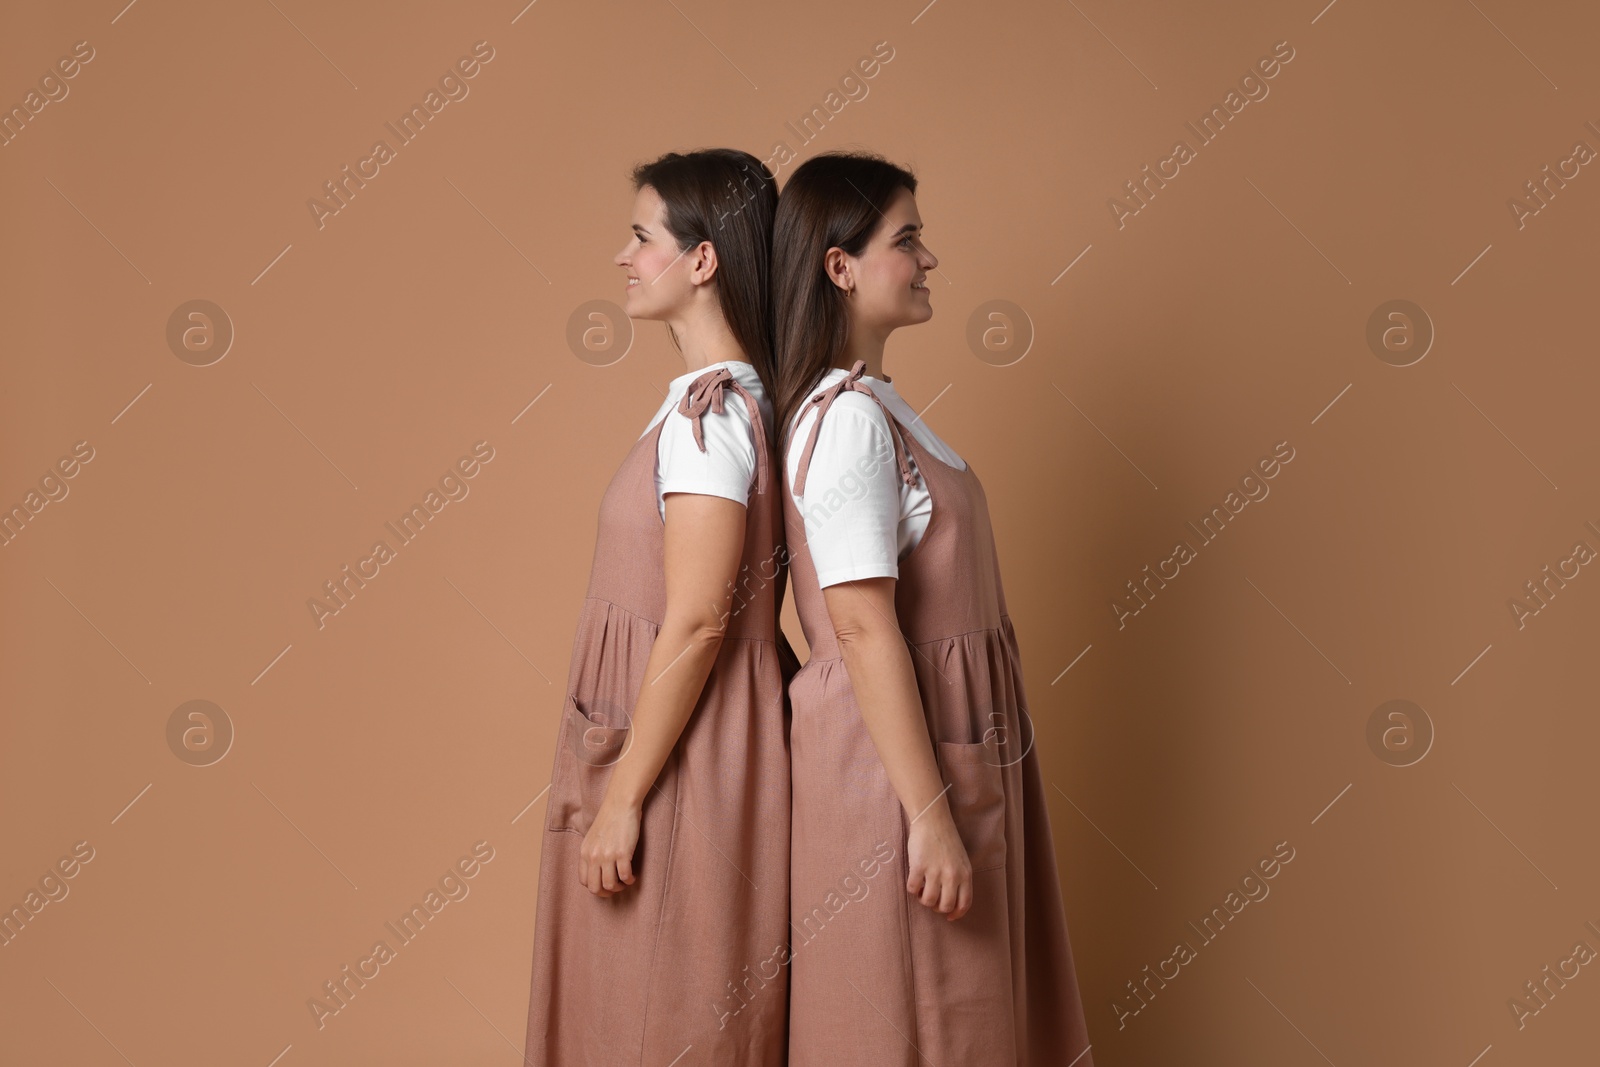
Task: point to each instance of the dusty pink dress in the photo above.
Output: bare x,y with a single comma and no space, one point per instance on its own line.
876,978
685,966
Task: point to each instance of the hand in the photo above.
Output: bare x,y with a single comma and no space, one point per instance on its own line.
605,859
941,872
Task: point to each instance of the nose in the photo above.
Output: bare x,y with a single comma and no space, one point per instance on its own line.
929,260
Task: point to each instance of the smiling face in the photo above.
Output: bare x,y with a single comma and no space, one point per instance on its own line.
890,276
661,279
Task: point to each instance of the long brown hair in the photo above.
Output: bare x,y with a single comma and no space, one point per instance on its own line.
727,197
836,199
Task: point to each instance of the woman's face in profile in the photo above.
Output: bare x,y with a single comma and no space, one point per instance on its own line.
891,274
658,274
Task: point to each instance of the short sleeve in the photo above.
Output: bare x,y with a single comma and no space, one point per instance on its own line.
852,499
726,468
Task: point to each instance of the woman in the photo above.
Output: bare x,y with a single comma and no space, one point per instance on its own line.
663,882
911,756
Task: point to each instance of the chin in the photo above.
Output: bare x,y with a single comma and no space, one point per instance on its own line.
639,311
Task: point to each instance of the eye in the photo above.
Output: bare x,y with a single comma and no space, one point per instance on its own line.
906,240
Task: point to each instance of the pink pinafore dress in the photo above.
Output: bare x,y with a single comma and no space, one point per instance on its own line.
683,967
877,979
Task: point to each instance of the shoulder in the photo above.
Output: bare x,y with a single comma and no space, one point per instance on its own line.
744,382
859,405
728,435
854,426
734,405
853,446
853,416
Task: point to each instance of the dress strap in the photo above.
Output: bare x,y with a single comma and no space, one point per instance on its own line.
824,400
704,393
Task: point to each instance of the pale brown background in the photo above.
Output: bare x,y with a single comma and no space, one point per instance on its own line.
371,753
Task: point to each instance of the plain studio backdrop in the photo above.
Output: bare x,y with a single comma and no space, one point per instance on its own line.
1267,326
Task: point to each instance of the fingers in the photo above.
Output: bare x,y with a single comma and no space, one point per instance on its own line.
589,871
949,890
604,876
937,890
963,899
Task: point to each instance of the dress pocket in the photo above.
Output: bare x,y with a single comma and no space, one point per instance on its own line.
977,799
586,751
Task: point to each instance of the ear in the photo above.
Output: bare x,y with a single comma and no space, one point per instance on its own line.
836,264
702,262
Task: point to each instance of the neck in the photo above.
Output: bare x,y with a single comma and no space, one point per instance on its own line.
866,346
704,337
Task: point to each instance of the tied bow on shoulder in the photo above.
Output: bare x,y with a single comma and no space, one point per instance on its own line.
705,394
824,400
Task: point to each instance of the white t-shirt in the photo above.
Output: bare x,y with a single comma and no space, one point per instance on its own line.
860,516
727,467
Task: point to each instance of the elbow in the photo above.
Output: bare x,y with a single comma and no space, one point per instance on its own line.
710,634
702,630
856,635
863,614
848,634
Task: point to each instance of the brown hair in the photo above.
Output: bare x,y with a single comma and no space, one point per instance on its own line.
836,199
727,197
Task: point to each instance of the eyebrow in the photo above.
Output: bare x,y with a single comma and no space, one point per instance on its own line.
906,228
641,229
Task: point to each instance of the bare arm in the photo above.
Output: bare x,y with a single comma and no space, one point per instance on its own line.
704,545
878,660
